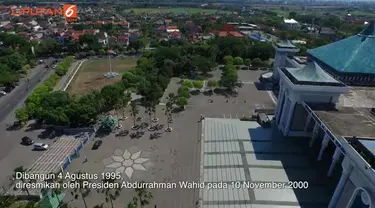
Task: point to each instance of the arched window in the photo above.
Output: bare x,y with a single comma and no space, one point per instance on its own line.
360,199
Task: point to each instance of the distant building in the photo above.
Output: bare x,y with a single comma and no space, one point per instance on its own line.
292,24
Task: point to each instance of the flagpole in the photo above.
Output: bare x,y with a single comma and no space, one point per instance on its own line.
109,56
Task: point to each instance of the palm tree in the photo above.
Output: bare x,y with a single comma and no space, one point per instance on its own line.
149,111
6,200
133,203
134,111
22,170
143,196
124,103
168,109
117,109
153,109
81,190
110,194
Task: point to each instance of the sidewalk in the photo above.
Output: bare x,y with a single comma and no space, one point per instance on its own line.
66,79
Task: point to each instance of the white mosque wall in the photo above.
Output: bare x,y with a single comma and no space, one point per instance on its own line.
357,179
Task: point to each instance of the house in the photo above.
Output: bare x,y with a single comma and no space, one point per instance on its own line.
123,39
172,28
134,36
175,35
292,24
167,21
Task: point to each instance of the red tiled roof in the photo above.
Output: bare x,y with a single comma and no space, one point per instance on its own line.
172,27
75,36
176,34
168,20
235,34
223,34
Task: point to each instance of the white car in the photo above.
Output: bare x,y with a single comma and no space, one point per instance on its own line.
40,146
2,93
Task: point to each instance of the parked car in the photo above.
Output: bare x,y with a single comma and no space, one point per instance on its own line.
55,61
97,144
40,146
2,93
27,140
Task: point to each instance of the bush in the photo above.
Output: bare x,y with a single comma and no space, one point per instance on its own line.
187,83
184,92
198,84
181,101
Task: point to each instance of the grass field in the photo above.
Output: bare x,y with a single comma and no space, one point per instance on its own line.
174,10
91,75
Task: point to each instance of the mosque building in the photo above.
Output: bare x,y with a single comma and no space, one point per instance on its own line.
327,98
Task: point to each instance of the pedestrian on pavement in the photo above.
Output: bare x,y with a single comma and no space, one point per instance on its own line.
85,159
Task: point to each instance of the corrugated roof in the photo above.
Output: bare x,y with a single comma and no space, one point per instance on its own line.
355,54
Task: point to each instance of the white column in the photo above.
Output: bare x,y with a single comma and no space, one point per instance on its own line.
290,117
323,146
315,134
307,123
340,186
336,157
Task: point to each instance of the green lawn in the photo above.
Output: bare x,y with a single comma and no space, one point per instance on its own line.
91,74
175,10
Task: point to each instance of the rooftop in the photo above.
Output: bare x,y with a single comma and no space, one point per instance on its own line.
355,54
290,21
346,121
310,74
238,151
285,44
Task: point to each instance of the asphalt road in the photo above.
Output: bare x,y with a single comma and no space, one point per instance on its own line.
10,101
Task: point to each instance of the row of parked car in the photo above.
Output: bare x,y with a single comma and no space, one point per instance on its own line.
37,146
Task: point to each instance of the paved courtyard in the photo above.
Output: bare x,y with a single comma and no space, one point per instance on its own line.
172,157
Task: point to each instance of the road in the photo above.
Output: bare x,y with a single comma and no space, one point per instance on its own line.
10,101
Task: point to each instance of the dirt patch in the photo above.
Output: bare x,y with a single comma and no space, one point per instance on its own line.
91,75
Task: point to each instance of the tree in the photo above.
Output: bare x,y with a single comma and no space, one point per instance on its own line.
81,190
184,92
22,115
292,14
21,170
238,61
92,53
181,102
203,64
228,60
247,62
169,108
110,194
124,103
229,79
257,62
134,111
7,201
149,112
143,196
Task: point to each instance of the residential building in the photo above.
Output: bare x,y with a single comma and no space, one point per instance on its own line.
292,24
